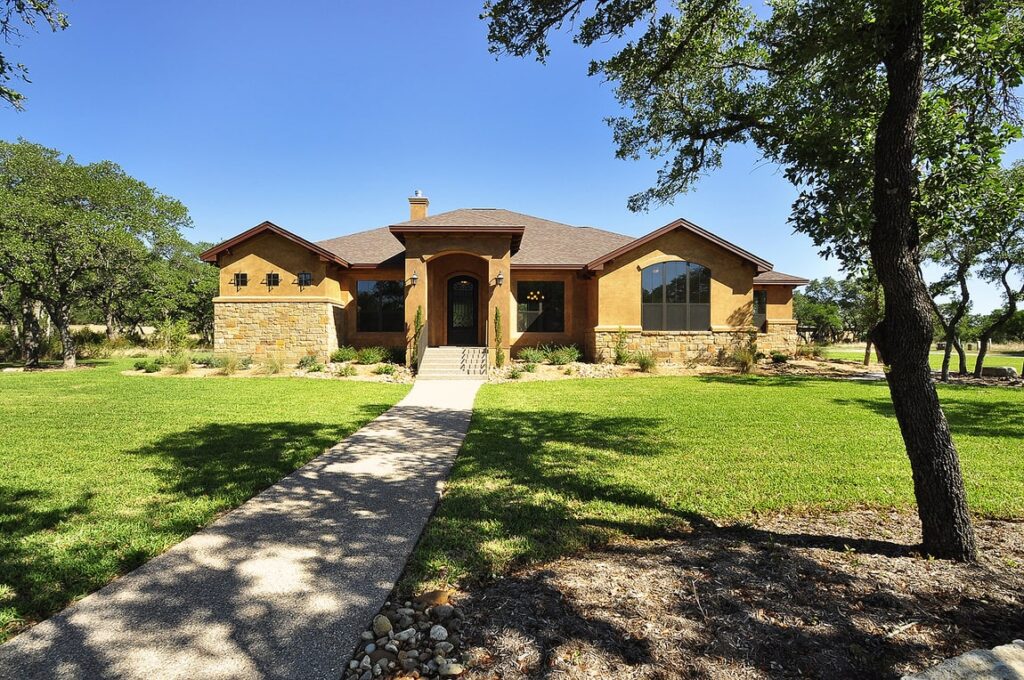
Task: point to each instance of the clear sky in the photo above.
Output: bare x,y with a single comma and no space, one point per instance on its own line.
324,116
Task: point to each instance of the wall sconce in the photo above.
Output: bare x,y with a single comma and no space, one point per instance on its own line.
415,278
500,278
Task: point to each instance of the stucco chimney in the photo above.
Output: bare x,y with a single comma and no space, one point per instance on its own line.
418,205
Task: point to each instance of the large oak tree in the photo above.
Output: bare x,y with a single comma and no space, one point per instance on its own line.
818,86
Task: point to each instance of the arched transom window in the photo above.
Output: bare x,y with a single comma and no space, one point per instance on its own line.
676,297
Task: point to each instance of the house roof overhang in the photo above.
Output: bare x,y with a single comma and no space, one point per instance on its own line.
760,265
515,233
213,253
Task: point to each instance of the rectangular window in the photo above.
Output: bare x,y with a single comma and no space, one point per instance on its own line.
273,279
305,279
540,306
760,308
241,279
380,306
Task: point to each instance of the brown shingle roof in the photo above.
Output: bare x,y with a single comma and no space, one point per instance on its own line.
544,242
774,278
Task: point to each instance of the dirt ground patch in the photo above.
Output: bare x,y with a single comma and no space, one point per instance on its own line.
834,596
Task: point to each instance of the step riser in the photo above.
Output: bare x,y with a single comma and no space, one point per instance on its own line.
453,363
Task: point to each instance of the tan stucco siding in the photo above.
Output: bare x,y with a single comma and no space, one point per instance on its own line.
269,253
780,301
731,281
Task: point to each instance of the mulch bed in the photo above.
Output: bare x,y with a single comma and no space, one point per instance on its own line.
841,595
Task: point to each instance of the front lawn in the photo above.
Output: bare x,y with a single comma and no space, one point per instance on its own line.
549,468
99,472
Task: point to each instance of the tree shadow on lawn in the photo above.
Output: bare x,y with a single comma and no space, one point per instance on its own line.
272,589
201,471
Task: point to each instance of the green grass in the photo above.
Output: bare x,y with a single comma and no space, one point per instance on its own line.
100,472
549,468
1013,359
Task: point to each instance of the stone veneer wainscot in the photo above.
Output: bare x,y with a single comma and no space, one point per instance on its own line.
254,328
694,346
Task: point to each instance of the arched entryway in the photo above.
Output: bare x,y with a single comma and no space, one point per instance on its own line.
463,312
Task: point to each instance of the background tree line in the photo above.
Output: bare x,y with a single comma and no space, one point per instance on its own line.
90,244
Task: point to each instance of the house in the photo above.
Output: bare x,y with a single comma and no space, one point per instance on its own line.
680,292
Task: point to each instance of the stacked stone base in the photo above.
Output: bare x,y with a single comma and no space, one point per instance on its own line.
702,347
285,330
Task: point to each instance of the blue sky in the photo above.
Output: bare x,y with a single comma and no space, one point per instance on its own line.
324,119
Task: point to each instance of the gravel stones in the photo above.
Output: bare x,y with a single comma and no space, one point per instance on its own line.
411,639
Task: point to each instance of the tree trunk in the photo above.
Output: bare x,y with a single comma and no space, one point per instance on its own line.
979,361
61,317
111,323
867,352
947,353
961,356
904,335
31,334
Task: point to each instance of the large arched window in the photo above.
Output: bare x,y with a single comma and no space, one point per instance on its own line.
676,297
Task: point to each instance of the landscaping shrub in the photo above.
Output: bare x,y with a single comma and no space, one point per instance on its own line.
273,365
309,363
342,354
180,364
515,372
564,355
529,367
621,352
396,355
779,358
385,369
346,371
229,363
743,359
532,355
171,335
813,350
499,353
206,360
371,355
147,365
645,361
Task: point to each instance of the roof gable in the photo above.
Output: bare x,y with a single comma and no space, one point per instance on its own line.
598,263
267,226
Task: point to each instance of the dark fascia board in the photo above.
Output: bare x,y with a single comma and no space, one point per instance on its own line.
325,255
791,281
761,264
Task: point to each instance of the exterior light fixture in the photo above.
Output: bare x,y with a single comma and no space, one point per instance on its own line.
500,278
415,278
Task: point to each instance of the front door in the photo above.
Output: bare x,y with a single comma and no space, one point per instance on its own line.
462,311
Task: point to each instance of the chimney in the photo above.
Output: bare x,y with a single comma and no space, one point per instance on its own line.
418,205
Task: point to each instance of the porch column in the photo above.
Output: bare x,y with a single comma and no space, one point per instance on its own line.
415,298
500,298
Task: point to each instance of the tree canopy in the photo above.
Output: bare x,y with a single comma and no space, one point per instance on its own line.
15,16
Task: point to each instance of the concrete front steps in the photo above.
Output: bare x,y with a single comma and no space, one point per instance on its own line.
453,363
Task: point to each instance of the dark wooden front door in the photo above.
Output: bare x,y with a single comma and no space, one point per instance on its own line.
462,311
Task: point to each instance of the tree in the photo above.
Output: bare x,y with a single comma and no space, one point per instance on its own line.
814,86
14,14
62,224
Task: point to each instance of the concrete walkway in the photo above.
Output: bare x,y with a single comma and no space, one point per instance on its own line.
280,587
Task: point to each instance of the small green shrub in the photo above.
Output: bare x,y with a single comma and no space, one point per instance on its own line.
499,353
515,372
621,351
180,364
346,371
779,358
147,365
564,355
371,355
813,350
385,369
342,354
206,360
529,367
228,363
743,359
171,335
396,355
532,355
310,363
645,361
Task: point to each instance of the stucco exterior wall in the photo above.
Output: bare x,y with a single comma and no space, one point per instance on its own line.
732,281
269,253
780,301
288,329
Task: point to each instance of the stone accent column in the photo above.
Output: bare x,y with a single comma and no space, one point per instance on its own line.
780,336
289,330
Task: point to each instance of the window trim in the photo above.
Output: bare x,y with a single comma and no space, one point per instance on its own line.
664,303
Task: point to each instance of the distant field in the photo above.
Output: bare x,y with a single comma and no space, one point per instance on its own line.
1003,358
